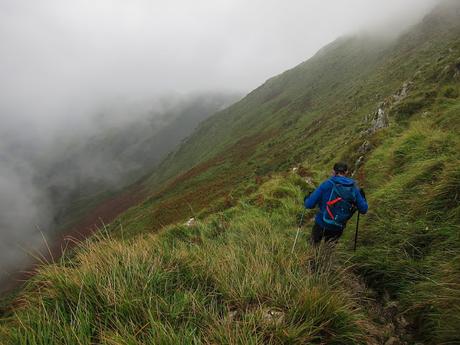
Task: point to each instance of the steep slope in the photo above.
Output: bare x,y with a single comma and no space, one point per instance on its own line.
390,108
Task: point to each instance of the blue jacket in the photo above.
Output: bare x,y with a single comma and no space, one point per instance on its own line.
321,196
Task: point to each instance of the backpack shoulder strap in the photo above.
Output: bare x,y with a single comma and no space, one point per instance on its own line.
334,187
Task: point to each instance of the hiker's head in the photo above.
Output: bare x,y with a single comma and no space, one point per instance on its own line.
340,168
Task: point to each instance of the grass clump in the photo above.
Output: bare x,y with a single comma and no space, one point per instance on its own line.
443,200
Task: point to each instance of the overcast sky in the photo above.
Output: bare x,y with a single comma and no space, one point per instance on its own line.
60,58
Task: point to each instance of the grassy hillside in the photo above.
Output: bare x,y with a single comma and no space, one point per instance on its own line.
391,109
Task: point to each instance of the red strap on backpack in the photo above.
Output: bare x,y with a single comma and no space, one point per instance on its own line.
330,203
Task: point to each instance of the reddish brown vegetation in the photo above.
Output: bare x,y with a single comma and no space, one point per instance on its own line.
186,196
104,213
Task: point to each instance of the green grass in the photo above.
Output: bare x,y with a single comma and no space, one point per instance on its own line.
231,278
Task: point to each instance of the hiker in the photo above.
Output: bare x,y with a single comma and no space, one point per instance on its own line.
338,198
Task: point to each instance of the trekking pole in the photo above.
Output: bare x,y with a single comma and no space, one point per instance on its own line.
298,231
356,233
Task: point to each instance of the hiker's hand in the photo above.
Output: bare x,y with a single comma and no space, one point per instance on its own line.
361,191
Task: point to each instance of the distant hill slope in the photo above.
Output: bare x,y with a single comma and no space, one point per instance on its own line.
388,107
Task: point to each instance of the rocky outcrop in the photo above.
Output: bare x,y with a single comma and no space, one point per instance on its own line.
379,120
365,147
190,222
402,92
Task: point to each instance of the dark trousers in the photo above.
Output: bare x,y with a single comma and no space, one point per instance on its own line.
318,233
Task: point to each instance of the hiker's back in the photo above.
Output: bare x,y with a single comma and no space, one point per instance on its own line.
341,203
338,198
